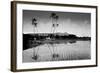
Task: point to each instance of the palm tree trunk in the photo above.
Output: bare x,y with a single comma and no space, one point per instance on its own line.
52,24
34,41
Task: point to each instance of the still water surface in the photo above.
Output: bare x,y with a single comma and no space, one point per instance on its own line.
80,50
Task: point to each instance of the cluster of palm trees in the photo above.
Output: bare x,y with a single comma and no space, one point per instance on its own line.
54,18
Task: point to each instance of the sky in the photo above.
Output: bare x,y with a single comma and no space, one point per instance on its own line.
69,22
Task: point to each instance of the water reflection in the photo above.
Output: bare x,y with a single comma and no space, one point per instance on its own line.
57,51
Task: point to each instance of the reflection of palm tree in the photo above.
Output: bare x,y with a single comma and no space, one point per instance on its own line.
34,23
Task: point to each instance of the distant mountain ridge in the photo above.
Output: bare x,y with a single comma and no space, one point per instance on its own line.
40,38
45,34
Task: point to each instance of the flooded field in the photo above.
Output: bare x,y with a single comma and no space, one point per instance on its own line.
78,50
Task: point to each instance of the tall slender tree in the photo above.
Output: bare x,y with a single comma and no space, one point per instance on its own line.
34,23
53,15
56,24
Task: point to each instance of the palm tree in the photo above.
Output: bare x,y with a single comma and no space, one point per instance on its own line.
53,26
34,23
55,55
33,20
57,17
54,19
53,15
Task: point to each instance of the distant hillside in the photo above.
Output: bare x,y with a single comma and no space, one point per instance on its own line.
58,35
30,40
46,34
43,36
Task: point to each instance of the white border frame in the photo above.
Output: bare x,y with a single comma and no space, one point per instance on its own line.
36,65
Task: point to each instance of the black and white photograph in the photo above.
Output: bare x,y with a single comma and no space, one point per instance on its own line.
56,36
53,36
